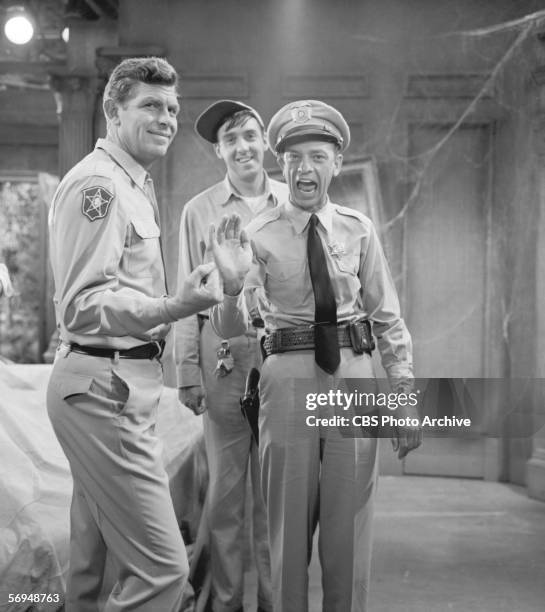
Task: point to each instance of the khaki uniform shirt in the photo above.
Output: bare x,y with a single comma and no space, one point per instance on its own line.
105,253
206,208
357,267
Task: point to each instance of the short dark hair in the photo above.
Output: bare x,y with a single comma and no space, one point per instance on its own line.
237,119
150,70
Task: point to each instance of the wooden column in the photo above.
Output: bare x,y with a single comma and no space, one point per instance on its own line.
76,97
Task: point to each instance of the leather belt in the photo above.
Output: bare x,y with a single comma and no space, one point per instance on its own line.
142,351
302,338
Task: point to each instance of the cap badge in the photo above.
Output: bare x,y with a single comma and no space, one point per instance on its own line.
301,114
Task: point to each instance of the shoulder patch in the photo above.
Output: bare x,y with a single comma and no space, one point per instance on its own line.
96,202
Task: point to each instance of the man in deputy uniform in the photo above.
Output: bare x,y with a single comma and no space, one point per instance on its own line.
113,313
325,282
212,372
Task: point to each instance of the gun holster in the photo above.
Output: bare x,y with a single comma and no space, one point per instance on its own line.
249,402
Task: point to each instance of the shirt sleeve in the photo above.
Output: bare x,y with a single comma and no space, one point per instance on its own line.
186,331
380,301
87,247
230,317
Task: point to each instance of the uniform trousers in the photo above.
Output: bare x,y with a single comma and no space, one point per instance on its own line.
231,451
104,414
315,475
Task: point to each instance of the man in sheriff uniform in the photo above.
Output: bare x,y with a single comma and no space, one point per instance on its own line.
211,373
113,314
325,282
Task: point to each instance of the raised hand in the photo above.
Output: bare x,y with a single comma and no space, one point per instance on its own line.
232,253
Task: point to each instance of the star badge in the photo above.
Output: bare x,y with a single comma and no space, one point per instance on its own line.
96,202
336,249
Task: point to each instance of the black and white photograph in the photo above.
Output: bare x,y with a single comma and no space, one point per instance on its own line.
272,305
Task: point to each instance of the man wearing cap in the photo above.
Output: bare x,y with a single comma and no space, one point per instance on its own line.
211,377
113,314
325,282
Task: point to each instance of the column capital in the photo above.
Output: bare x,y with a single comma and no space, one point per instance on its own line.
70,82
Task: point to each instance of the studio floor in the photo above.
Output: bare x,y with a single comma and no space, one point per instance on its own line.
447,544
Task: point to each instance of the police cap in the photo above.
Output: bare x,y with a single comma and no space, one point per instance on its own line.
211,119
305,120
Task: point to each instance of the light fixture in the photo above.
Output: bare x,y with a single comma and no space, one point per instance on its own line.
18,28
65,34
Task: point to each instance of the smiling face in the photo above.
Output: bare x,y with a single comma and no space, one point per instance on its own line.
242,148
145,124
308,168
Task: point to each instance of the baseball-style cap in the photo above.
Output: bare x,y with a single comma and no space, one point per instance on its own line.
311,118
211,119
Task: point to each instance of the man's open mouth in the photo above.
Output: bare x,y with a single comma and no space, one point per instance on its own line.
306,186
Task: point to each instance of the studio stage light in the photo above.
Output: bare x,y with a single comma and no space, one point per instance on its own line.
18,26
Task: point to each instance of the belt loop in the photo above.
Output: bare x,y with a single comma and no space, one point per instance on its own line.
160,344
116,357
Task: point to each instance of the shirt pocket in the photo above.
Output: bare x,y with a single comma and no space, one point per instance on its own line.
286,271
285,282
143,247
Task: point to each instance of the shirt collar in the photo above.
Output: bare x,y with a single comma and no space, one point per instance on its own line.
300,218
226,192
136,172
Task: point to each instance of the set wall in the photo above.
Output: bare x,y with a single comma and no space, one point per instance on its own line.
358,56
28,131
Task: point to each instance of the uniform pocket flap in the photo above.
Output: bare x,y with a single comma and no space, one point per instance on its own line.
146,228
74,384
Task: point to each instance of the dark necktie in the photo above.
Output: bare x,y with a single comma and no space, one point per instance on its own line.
326,343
